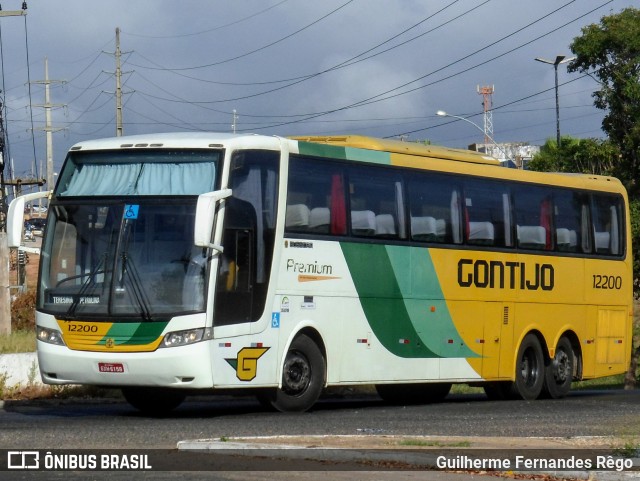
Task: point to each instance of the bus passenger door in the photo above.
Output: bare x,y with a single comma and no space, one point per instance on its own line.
236,273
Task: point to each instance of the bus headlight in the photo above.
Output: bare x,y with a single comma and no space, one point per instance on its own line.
182,338
51,336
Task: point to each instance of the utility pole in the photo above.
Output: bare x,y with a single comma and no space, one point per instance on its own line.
234,124
119,127
119,92
5,296
48,128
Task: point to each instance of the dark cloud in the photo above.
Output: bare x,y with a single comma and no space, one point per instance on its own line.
291,67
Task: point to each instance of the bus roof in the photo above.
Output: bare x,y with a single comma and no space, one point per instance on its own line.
400,147
173,140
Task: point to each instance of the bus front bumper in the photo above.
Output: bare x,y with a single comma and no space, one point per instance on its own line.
176,367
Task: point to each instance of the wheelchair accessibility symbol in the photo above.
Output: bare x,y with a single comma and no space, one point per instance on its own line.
131,211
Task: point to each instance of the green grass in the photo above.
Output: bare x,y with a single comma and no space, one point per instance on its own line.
434,444
18,341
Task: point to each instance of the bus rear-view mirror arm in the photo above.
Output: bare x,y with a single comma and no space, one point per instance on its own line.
15,217
205,215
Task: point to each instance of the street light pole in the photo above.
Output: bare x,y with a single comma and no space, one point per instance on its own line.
559,60
442,113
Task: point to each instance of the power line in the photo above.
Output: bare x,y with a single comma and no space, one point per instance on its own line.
231,24
259,49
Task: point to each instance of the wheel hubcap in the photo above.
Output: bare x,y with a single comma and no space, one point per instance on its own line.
297,374
561,366
529,368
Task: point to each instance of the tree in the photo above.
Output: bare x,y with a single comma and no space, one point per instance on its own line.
610,52
587,156
593,156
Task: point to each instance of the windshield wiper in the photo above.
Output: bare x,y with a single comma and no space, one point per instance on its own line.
139,295
71,312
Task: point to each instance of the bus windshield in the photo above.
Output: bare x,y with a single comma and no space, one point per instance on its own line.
129,253
129,260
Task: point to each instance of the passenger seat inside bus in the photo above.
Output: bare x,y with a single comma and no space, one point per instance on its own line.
385,225
603,242
297,217
566,239
319,220
532,236
428,229
482,233
363,222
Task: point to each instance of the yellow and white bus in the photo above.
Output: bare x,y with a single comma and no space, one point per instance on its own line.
173,263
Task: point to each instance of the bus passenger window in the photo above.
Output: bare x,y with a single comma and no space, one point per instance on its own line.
433,208
533,217
607,220
569,213
315,198
376,203
487,220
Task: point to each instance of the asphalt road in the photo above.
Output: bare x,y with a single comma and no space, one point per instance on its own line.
113,424
109,424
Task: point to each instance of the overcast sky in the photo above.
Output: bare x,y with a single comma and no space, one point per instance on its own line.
291,67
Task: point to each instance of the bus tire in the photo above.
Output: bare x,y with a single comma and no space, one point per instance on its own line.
559,370
303,377
530,371
406,394
153,401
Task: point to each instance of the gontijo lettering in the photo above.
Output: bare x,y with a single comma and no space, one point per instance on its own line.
505,275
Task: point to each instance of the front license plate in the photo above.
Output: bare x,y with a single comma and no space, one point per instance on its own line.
114,367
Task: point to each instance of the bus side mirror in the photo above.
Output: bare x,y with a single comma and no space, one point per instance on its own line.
205,215
15,216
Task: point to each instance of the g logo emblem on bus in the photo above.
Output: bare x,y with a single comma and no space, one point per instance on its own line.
109,343
246,364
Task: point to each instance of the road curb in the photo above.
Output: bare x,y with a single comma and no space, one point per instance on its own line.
343,449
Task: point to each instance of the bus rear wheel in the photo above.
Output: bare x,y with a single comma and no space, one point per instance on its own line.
303,377
424,393
530,371
153,401
559,370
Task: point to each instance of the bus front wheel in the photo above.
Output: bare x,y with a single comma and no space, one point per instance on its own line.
530,369
153,401
303,376
559,371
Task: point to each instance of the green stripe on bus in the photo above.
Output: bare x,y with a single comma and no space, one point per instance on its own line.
402,301
134,333
368,156
344,153
322,150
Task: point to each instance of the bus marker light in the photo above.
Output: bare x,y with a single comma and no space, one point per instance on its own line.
433,308
480,341
404,341
224,344
450,341
362,341
256,344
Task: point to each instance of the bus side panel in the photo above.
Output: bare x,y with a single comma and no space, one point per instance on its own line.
379,309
